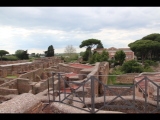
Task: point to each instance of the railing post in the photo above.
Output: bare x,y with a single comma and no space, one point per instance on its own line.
59,86
134,93
48,91
158,97
146,93
53,84
92,95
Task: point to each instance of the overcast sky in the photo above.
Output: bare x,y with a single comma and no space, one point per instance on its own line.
36,28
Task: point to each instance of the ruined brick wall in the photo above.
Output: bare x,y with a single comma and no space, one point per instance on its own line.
23,85
103,76
32,75
9,87
95,73
43,85
67,68
8,84
7,91
1,82
3,72
112,91
12,62
126,78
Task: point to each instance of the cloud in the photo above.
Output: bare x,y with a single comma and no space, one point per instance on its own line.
36,28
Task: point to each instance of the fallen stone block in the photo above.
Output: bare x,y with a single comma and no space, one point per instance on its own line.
24,103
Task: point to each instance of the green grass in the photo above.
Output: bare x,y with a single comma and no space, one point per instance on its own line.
11,76
111,80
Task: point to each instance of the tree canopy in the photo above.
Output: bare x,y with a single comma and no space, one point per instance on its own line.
49,52
86,54
89,44
132,66
147,48
120,56
22,54
153,37
3,52
96,57
100,45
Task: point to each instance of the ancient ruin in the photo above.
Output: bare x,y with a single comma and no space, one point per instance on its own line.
45,81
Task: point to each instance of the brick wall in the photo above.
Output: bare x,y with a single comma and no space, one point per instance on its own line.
126,78
23,85
6,91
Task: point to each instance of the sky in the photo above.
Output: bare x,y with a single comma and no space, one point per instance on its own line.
36,28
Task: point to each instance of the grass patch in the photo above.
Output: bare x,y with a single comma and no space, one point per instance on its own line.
111,80
11,76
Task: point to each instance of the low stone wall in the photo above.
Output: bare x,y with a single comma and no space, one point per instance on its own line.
103,76
32,75
43,85
95,73
2,81
23,85
112,91
152,90
126,78
7,91
66,68
24,103
12,62
10,84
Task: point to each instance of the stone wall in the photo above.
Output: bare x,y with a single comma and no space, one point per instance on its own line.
95,73
67,68
23,85
12,62
103,76
32,75
10,84
6,91
43,85
126,78
18,68
85,74
112,91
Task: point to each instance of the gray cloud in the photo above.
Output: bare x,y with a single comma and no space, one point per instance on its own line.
38,27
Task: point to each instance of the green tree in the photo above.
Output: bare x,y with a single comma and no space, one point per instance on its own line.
100,45
120,56
104,56
22,54
81,53
89,43
86,54
153,37
132,67
37,55
145,49
3,52
49,52
95,58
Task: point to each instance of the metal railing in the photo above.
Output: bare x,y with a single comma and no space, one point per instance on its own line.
133,104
